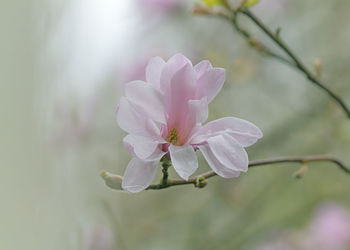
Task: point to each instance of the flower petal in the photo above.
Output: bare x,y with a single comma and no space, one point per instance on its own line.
174,64
142,146
198,109
133,121
246,133
182,90
184,160
216,165
139,175
210,83
229,152
145,148
202,67
153,71
147,98
198,113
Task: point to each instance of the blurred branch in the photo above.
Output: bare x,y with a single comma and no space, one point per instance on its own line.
255,43
201,180
230,13
297,62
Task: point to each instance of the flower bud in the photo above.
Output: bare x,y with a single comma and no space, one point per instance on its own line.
213,2
318,67
201,182
201,10
250,3
112,180
301,172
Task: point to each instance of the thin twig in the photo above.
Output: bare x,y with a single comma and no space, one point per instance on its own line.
255,43
297,62
300,159
231,14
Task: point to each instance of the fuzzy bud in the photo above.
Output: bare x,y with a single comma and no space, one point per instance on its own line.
112,180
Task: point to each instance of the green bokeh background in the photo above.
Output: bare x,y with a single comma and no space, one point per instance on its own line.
52,195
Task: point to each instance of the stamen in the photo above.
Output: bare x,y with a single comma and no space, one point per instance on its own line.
172,137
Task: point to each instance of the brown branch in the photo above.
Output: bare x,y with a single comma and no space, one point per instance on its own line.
297,62
255,43
231,14
201,180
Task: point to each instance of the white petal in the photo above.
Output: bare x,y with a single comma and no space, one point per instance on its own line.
133,121
129,148
139,175
184,160
246,133
153,71
216,165
143,147
229,152
199,110
148,99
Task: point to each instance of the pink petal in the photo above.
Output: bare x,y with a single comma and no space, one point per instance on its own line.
145,148
202,67
210,83
181,91
148,99
216,165
139,175
246,133
133,121
174,64
330,226
154,70
184,160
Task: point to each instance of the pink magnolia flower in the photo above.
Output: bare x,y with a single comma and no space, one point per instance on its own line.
99,237
330,227
135,69
160,5
164,116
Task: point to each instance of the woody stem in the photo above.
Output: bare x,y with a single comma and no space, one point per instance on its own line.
301,160
166,163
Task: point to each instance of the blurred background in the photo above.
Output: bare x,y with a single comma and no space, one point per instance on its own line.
63,67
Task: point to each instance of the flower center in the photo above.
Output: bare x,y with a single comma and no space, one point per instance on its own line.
172,136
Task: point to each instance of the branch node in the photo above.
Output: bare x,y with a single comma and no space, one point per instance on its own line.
301,172
278,32
318,67
201,182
